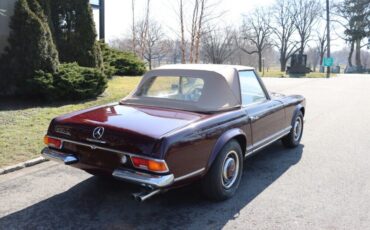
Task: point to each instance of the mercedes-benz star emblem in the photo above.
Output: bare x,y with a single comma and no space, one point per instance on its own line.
98,132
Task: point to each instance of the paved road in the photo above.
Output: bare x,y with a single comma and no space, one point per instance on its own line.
323,184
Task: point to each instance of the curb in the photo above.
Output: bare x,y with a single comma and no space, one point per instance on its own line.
19,166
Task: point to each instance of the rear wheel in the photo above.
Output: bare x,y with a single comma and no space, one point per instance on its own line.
223,178
294,137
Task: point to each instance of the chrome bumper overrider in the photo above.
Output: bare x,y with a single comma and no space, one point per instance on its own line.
144,178
59,156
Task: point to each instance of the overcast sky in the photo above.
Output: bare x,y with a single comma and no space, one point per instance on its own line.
119,15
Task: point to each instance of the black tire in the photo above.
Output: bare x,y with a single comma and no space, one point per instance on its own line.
214,186
293,139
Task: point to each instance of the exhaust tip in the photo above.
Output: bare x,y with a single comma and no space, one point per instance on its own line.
142,196
137,197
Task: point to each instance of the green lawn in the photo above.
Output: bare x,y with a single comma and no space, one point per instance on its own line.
22,129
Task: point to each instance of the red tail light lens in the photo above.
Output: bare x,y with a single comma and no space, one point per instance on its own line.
147,164
53,142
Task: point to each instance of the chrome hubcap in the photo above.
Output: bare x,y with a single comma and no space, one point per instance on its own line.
297,128
230,169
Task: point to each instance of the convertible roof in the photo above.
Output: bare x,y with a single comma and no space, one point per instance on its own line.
221,87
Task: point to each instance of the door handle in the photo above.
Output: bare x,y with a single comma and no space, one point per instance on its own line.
253,118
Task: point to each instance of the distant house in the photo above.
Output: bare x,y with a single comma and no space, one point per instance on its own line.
6,11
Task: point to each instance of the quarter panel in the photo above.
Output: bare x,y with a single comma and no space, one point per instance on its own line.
191,149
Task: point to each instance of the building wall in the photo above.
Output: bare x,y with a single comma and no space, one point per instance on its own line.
6,10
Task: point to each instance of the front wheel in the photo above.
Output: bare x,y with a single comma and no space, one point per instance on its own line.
294,137
223,178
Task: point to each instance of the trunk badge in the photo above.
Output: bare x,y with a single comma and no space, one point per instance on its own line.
98,132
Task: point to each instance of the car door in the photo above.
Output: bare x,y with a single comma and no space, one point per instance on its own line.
267,116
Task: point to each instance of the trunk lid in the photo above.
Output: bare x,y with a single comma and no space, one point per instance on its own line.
135,129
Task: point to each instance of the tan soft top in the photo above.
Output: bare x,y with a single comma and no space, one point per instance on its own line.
221,87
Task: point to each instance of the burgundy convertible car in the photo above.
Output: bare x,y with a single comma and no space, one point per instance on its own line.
181,124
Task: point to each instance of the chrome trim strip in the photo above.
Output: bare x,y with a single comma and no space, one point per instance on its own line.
190,174
268,140
143,178
97,141
113,151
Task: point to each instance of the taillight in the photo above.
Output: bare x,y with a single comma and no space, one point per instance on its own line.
53,142
147,164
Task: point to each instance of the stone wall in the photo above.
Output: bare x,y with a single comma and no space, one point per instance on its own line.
6,10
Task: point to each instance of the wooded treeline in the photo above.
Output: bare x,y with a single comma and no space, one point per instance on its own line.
267,35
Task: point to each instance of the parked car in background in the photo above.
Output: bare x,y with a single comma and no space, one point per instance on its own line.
181,124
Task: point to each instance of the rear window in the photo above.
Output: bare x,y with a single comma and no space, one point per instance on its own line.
173,87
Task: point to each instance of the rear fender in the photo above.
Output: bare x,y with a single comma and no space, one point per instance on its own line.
221,142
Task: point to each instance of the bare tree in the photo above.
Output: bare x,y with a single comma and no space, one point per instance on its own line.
193,31
199,30
321,44
306,14
218,45
256,31
177,52
203,12
283,28
133,27
154,45
183,44
142,34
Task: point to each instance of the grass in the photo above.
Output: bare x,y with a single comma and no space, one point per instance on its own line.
277,73
23,127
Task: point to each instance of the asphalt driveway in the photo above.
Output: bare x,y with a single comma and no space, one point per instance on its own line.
322,184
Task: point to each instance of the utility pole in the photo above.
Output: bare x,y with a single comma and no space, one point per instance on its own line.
102,20
328,36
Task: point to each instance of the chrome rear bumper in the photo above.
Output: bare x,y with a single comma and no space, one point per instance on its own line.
59,156
156,181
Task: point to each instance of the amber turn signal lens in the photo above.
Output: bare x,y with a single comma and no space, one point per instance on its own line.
157,166
151,165
52,142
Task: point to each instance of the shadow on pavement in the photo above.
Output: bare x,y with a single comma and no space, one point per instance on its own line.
98,203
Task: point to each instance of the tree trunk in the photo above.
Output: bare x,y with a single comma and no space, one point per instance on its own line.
194,24
283,65
358,53
351,53
182,33
321,58
199,32
301,51
260,61
283,61
150,62
133,27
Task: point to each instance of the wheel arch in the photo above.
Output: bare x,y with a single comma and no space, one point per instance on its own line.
298,108
236,134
